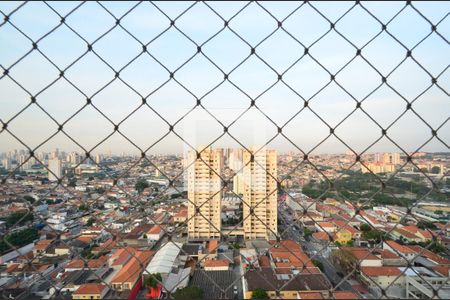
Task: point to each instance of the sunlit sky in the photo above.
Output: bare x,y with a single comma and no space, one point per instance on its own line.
249,77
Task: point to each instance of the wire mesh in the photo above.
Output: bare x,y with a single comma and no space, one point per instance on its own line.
111,251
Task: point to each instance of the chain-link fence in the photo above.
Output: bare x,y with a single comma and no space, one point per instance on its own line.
198,78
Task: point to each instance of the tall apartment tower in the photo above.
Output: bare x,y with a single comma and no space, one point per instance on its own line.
204,191
391,158
54,165
260,193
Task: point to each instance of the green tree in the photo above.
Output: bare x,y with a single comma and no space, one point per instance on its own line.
365,227
372,235
90,222
141,185
153,280
18,217
29,199
318,264
72,182
259,293
306,232
83,207
426,225
435,170
18,239
190,292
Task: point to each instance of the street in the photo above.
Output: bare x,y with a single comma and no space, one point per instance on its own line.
314,250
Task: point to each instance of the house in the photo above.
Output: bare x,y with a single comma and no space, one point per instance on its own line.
91,291
342,236
288,287
127,277
364,256
180,216
403,251
120,257
155,233
325,226
411,233
40,247
321,237
381,276
356,234
216,265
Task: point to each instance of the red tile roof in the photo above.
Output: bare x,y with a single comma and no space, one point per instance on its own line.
90,289
381,271
216,263
345,295
399,248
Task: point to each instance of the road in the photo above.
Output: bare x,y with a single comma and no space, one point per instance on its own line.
314,250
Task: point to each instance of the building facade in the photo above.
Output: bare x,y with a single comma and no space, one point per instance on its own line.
204,193
260,194
55,169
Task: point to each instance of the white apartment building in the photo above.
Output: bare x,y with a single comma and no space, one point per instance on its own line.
55,169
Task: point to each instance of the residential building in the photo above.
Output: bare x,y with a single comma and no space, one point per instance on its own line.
204,194
91,291
260,194
54,169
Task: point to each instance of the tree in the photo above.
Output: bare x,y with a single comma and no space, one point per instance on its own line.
318,264
435,170
18,239
83,207
189,292
306,232
365,227
90,222
72,182
141,185
426,225
152,280
20,217
372,235
259,293
343,260
29,199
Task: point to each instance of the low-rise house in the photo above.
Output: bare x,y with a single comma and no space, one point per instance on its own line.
403,251
364,256
155,233
127,277
91,291
216,265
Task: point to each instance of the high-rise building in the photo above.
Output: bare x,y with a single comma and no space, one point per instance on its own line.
55,169
238,183
391,158
260,194
204,194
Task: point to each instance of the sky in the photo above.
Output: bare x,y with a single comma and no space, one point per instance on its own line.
279,103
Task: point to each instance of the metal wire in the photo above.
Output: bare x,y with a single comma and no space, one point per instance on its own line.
254,103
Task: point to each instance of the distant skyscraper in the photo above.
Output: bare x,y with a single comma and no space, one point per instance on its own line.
54,165
260,193
204,191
